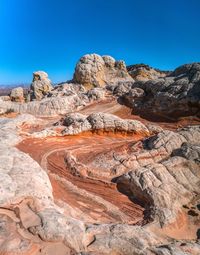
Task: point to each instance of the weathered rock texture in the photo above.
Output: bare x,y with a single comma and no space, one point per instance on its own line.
100,180
5,98
62,99
156,178
170,183
77,123
28,215
147,171
17,94
93,70
177,94
47,107
142,72
40,86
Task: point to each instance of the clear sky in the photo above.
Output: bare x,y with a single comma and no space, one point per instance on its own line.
51,35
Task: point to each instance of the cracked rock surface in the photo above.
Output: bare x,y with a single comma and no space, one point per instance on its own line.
93,70
176,94
81,173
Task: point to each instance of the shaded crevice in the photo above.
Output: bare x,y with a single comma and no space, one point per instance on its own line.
137,197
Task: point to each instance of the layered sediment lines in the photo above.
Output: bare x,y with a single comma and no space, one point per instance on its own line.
114,180
93,177
81,168
105,185
97,200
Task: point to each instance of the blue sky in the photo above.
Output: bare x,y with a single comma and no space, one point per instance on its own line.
52,35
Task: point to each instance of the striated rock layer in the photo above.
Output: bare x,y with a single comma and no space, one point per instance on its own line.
105,193
100,180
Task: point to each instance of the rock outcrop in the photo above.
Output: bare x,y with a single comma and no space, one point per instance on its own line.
26,199
77,123
17,95
47,107
156,174
170,183
151,171
177,94
142,72
62,99
98,180
40,86
93,70
5,98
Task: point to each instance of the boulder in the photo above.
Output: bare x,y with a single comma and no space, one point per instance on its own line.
96,94
17,95
40,86
92,70
122,88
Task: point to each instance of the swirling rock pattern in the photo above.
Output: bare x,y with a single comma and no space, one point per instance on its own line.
93,188
99,179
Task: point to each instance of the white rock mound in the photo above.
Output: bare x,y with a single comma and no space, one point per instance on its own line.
17,94
92,70
76,123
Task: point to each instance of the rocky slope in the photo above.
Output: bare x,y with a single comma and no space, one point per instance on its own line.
85,174
177,94
142,72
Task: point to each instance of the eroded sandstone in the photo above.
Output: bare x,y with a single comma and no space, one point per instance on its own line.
90,177
92,70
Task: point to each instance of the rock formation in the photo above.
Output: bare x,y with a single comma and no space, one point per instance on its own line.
62,99
77,123
148,171
169,184
17,95
177,94
93,70
5,98
40,86
96,178
142,72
